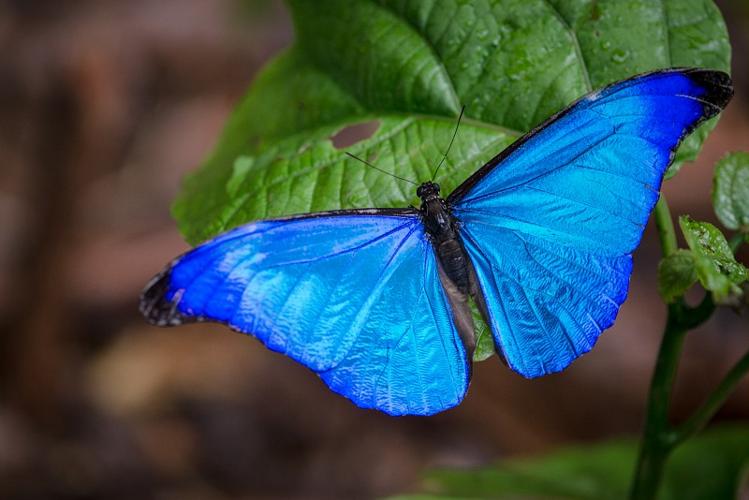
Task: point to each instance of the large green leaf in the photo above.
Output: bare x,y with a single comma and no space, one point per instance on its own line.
709,466
731,191
411,64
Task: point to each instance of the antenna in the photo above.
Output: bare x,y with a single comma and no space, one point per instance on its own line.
381,170
444,157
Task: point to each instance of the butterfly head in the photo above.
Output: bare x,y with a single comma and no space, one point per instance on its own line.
428,191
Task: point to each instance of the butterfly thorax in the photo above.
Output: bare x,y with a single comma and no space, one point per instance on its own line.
442,229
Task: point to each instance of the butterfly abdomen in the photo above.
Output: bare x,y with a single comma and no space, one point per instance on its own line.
453,259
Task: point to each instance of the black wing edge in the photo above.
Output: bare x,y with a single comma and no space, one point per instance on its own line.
154,305
719,89
159,311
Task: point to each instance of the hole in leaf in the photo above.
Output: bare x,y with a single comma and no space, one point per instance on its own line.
351,134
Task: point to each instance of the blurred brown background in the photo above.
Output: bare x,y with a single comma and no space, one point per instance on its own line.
104,106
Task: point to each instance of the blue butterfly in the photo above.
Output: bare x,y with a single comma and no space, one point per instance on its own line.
375,301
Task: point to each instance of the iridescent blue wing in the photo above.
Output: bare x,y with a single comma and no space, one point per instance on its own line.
353,295
551,222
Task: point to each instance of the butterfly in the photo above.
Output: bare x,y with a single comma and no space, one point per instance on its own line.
376,301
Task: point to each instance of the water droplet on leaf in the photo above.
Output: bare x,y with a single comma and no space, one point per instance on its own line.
619,56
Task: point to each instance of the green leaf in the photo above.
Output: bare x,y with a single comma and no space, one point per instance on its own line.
731,191
410,65
278,105
306,173
484,340
715,265
709,466
597,472
706,240
676,274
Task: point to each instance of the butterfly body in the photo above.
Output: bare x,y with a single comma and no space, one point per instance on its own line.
375,301
442,228
454,264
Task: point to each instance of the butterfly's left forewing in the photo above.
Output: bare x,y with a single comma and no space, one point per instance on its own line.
550,224
354,296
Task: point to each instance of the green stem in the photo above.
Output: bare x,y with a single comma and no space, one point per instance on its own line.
665,224
658,436
694,316
713,403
